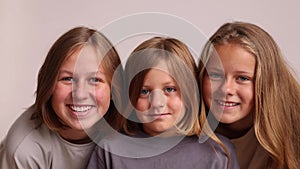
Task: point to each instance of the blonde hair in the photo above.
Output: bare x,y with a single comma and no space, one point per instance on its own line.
181,66
277,93
70,42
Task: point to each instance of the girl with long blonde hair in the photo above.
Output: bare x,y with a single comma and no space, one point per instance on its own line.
248,86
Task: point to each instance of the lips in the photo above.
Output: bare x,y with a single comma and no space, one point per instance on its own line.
160,114
80,110
227,103
157,116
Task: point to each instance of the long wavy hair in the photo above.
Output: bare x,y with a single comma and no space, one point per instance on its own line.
277,92
68,43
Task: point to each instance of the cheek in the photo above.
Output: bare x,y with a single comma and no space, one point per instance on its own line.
176,104
61,92
207,90
177,107
102,96
142,105
249,95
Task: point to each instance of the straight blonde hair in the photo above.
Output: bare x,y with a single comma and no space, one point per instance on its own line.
181,66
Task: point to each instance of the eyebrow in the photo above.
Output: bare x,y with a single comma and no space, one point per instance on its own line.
170,82
165,83
209,69
65,71
88,73
245,72
214,68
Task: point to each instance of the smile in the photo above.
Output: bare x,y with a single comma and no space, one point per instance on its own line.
159,115
226,104
79,109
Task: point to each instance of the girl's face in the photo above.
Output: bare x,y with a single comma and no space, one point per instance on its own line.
159,106
229,93
82,93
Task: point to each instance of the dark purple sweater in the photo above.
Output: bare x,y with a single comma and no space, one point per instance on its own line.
123,152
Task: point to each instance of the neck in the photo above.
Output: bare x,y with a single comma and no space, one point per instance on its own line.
74,136
236,129
231,132
167,133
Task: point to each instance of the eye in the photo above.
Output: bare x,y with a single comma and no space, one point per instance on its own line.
94,80
68,79
170,89
215,76
243,78
144,92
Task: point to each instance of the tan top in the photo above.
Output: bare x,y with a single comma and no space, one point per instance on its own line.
32,146
250,153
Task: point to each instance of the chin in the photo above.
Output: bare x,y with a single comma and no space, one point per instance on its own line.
227,121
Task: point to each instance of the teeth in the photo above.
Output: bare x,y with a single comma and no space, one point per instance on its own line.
80,108
226,104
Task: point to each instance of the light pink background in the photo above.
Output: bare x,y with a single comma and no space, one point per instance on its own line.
28,29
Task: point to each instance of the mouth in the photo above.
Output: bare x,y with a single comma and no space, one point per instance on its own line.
159,115
227,103
80,110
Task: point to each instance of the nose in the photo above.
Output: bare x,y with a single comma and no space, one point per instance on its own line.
228,86
80,91
157,99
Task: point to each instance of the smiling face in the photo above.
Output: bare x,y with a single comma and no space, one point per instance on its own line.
159,106
82,93
229,93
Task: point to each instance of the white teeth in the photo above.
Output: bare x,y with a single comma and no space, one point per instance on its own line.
226,104
80,108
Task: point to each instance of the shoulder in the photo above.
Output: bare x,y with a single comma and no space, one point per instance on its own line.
20,129
137,146
229,145
204,144
25,139
231,150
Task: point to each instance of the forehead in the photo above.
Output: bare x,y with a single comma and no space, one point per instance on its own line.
84,59
157,74
231,55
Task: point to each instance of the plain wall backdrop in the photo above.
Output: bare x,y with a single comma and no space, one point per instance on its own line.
29,28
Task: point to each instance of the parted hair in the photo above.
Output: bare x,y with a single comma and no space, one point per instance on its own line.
67,44
181,67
